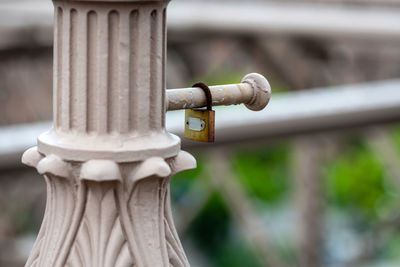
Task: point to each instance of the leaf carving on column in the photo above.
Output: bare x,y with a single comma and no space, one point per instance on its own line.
61,204
32,157
176,254
34,256
100,240
102,220
142,217
62,209
177,257
141,205
146,215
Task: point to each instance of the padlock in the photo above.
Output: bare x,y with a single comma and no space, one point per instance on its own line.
200,123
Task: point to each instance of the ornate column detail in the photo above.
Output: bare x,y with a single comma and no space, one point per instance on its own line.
108,160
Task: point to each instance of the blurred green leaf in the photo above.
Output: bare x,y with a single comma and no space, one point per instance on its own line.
210,228
392,249
355,182
235,253
181,182
264,171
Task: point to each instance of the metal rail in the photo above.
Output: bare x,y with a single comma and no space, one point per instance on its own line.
300,112
260,18
27,22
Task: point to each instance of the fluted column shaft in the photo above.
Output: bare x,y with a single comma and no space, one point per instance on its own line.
109,79
109,59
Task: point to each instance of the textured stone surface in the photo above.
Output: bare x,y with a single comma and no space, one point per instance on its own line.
108,159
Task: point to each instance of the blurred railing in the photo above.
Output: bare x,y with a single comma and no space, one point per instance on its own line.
26,22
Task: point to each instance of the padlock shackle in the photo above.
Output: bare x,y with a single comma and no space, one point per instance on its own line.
207,92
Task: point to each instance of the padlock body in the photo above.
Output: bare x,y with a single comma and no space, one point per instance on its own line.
199,125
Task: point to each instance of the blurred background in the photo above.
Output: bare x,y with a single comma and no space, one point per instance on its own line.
314,180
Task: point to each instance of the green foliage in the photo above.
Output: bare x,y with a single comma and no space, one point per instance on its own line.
264,171
181,182
235,253
211,231
356,182
211,227
392,248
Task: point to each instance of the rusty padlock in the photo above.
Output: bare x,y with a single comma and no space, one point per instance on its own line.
200,123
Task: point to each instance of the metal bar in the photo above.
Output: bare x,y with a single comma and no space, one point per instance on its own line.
254,91
231,94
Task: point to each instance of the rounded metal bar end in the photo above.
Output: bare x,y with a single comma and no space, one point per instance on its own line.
261,91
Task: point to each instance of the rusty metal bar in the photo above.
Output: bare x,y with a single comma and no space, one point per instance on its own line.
254,91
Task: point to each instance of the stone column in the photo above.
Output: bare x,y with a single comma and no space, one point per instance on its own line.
108,159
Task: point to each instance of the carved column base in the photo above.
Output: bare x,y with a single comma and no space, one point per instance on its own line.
101,213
